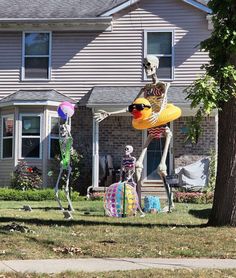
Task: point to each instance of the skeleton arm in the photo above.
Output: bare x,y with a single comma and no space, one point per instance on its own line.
102,114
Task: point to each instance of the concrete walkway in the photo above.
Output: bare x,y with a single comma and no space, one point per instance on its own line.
110,264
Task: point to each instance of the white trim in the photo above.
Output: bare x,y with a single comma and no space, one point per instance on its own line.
33,136
198,6
51,114
95,158
161,30
23,78
29,103
16,141
131,2
89,20
119,8
7,137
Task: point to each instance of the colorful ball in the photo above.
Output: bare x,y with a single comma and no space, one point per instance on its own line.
120,199
66,110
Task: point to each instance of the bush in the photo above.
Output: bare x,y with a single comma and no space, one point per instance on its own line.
8,194
26,177
193,197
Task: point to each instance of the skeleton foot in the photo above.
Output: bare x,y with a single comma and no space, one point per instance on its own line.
67,215
168,209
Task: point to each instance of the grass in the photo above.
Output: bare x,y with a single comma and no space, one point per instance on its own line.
147,273
183,233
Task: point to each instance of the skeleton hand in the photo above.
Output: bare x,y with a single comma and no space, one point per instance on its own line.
101,115
153,118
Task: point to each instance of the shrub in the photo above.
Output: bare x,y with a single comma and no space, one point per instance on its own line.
26,177
193,197
9,194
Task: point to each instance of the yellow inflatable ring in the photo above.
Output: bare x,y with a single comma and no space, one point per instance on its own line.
169,114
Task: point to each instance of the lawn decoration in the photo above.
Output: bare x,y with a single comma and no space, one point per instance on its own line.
151,100
152,203
120,200
65,111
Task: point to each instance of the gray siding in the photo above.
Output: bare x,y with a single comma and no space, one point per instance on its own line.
82,60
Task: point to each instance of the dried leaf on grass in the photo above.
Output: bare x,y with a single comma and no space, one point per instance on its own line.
72,250
14,227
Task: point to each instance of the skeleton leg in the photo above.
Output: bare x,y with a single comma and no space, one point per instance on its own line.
139,166
162,171
67,189
56,189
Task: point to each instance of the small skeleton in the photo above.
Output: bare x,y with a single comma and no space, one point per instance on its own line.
156,93
128,170
65,141
128,165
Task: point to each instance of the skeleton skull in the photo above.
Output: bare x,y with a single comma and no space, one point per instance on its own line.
128,150
151,63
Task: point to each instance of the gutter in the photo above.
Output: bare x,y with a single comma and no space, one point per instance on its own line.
82,24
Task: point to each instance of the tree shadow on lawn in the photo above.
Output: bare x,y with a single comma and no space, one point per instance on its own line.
72,222
201,214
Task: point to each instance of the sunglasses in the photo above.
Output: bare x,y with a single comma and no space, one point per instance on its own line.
147,65
138,107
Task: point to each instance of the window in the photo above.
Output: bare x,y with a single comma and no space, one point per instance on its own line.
7,136
54,147
36,55
30,136
160,44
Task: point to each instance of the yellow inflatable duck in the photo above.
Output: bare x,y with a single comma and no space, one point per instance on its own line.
141,109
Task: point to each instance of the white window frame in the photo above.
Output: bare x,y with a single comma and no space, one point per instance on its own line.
172,31
23,78
51,115
31,136
7,137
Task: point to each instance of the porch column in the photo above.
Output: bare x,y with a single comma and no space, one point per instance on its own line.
95,162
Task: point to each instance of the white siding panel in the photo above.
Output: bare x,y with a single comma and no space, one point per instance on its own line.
6,169
83,60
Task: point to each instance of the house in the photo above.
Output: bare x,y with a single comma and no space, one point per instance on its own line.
91,53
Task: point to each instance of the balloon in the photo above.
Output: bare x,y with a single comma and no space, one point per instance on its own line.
65,110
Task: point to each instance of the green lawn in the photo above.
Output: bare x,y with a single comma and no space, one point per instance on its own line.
182,233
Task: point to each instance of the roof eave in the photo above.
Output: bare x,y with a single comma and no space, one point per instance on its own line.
198,6
131,2
30,103
82,24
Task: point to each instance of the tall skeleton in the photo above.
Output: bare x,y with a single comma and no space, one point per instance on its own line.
156,93
65,141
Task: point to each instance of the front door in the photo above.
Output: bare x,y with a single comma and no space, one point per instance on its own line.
154,154
153,158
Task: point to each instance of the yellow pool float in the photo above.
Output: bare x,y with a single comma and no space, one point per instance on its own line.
141,109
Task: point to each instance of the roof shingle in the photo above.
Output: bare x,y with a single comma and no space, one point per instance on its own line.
55,8
36,95
124,96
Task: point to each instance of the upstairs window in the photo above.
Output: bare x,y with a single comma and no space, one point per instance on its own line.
161,45
7,136
36,55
